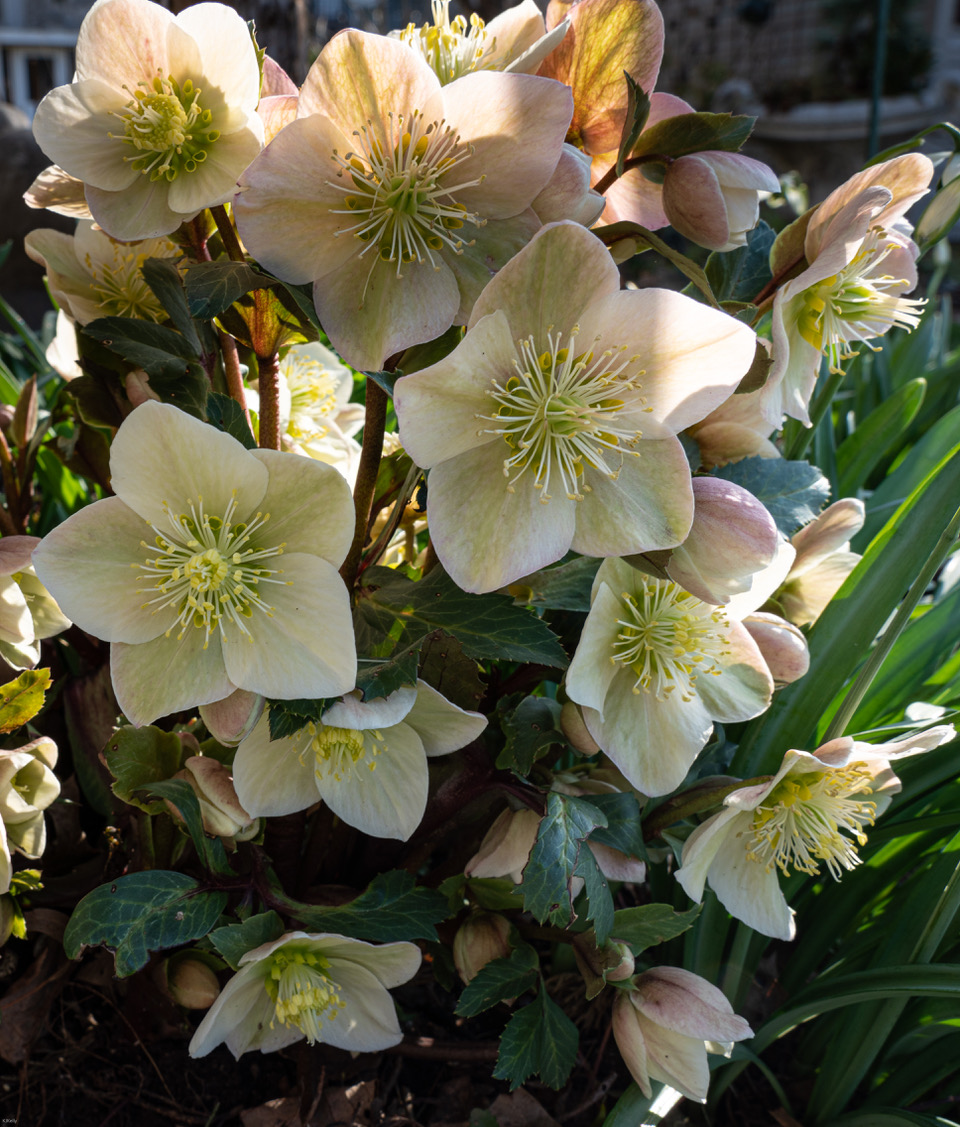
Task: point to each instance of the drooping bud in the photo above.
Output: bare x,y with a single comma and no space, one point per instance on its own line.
573,727
190,982
782,644
625,967
233,719
506,847
222,814
483,937
712,197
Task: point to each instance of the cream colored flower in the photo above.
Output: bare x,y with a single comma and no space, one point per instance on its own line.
813,812
326,988
220,809
161,118
27,787
823,561
28,612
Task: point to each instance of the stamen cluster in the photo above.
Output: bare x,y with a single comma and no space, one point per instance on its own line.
166,125
303,993
451,48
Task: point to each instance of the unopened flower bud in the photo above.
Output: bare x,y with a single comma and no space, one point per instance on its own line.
483,937
624,968
137,386
783,646
6,418
573,727
222,814
506,848
191,982
623,249
233,719
712,197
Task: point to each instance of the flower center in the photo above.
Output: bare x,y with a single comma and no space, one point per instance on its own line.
313,398
302,992
337,751
208,570
165,124
559,413
856,304
403,191
669,638
801,821
121,288
451,48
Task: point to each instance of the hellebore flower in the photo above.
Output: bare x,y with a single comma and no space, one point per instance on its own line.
823,561
92,275
366,760
553,423
737,429
220,809
665,1025
27,787
860,261
656,666
396,197
813,812
28,612
161,119
208,605
326,988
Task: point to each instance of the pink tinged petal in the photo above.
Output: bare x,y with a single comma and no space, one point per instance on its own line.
370,312
59,192
485,536
568,194
616,865
530,59
386,795
743,688
123,41
648,507
442,726
306,647
676,1060
229,1016
88,565
702,846
633,198
232,719
506,847
276,113
913,744
783,646
380,712
437,408
72,126
138,212
368,1021
310,506
167,675
593,668
561,270
749,891
827,533
229,61
763,583
493,247
628,1035
16,623
517,158
276,81
693,356
161,454
694,202
284,208
16,553
215,180
721,443
686,1003
275,777
837,239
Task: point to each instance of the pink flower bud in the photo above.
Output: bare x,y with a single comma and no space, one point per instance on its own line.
483,937
222,814
573,727
712,198
783,646
506,848
232,719
624,968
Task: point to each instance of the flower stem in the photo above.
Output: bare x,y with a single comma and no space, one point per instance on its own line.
227,232
797,443
270,402
231,369
629,164
693,802
370,455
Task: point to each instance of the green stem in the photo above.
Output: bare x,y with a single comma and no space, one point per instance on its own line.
269,389
797,444
227,232
231,369
693,802
629,164
370,455
884,644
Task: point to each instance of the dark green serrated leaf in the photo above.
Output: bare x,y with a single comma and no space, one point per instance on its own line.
235,940
301,300
564,587
163,277
22,699
688,133
793,492
445,666
532,728
226,414
651,924
539,1038
377,678
287,717
186,390
487,626
624,830
422,356
600,901
392,908
553,859
212,287
140,913
139,757
740,274
157,349
498,980
210,850
638,110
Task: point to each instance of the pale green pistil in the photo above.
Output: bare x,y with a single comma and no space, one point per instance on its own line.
166,125
338,751
302,992
209,570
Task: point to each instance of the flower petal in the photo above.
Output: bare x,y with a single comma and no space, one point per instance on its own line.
72,126
215,180
123,41
229,61
368,1021
676,1060
228,1019
748,891
744,686
441,725
592,669
380,712
137,212
274,777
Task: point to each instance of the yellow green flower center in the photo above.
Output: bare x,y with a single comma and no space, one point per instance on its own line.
403,193
209,570
302,992
166,125
121,288
669,638
856,304
451,48
313,397
338,751
802,822
561,412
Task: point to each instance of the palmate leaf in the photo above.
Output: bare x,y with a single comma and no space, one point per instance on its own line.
538,1038
499,979
531,729
212,287
651,924
740,274
553,859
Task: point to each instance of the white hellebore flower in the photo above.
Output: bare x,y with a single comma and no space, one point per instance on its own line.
237,586
656,666
162,116
326,988
28,612
366,760
665,1025
811,813
27,787
823,561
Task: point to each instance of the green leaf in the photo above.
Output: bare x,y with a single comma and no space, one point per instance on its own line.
140,913
860,453
445,666
687,267
487,626
532,729
740,274
210,850
638,110
22,699
139,757
155,348
600,902
564,587
890,1117
377,678
624,829
539,1038
553,859
287,717
226,414
688,133
650,925
213,287
163,277
235,940
793,492
632,1107
498,980
392,908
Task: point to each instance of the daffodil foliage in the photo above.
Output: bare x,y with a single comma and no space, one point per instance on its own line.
452,587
